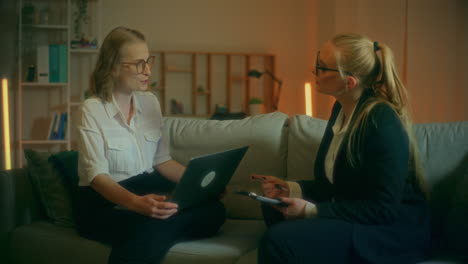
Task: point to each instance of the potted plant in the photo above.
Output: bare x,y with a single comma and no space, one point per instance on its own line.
256,106
81,18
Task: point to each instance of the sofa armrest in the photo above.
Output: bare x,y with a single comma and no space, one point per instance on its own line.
18,202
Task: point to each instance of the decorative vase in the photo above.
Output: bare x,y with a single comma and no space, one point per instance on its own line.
256,109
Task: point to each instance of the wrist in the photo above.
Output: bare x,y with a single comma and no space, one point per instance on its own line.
310,210
132,201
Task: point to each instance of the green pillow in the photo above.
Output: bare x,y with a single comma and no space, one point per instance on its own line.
48,183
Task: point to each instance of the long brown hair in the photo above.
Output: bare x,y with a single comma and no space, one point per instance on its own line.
102,83
373,65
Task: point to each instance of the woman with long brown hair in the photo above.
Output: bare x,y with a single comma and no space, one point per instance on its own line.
124,162
367,202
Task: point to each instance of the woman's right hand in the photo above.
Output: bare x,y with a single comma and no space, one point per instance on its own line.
153,205
272,187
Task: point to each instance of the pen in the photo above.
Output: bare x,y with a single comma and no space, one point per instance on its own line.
262,179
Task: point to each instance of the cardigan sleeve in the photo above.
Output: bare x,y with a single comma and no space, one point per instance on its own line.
384,163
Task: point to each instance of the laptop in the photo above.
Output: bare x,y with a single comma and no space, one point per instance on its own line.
206,177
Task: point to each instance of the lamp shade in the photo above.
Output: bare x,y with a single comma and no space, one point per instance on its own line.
255,73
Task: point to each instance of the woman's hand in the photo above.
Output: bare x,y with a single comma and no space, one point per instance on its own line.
295,210
272,187
153,205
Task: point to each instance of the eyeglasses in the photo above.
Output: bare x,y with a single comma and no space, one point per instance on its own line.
140,65
318,67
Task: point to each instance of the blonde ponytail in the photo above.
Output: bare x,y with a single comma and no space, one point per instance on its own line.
373,65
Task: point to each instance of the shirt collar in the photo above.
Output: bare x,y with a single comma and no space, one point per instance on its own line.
112,108
339,120
136,103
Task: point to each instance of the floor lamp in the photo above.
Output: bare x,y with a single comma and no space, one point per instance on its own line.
6,124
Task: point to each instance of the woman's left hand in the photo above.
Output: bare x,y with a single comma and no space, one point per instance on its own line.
296,208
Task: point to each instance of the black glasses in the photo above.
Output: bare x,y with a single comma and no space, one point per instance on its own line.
140,65
318,67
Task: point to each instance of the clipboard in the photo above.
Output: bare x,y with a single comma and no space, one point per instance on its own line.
263,199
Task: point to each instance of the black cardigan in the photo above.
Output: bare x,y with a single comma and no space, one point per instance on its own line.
380,195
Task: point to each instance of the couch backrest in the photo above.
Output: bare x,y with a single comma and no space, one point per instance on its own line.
266,136
304,137
443,149
444,155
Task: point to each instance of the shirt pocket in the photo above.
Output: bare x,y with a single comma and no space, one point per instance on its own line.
152,138
120,155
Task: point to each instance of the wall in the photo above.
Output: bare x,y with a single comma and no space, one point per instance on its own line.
284,28
434,67
429,40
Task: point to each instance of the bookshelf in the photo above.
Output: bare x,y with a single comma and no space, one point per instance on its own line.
52,26
200,80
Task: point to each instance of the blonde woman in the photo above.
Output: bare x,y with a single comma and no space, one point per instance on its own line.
124,161
367,202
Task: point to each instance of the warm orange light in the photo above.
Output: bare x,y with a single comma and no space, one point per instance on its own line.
308,98
6,124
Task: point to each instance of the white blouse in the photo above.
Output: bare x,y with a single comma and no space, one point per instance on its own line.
108,145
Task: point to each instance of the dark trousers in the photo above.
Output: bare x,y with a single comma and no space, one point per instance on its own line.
305,240
141,239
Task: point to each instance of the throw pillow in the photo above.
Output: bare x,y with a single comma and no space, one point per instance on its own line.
66,164
50,187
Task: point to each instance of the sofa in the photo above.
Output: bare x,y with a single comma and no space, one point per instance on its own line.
279,145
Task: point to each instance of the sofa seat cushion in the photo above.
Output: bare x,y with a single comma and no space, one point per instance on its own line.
37,242
45,242
235,239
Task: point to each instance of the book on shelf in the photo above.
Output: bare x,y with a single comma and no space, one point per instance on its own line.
58,126
53,120
62,126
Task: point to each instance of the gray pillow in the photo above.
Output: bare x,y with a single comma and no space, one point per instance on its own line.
50,187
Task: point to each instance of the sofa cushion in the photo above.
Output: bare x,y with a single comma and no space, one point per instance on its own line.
444,156
235,239
443,147
266,155
37,242
305,135
44,242
453,237
50,187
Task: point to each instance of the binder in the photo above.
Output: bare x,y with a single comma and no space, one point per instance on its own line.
53,64
42,58
62,63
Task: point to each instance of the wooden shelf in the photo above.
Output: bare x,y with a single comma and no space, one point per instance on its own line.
209,69
43,142
38,84
175,69
81,50
75,104
45,26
